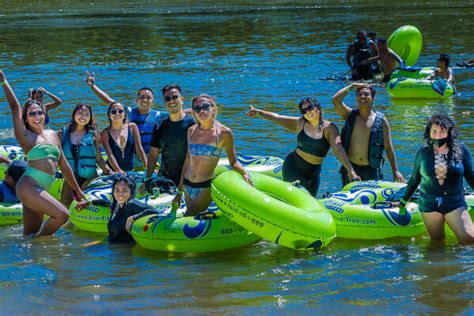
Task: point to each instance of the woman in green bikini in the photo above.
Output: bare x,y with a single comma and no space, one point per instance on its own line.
44,154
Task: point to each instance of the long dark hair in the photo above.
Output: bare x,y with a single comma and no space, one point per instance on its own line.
24,114
314,102
89,126
129,180
110,109
446,122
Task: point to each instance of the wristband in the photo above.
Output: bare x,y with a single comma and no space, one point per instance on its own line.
403,202
3,82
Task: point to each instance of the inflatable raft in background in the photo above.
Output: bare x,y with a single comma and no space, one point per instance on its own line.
274,210
409,88
407,42
11,214
412,72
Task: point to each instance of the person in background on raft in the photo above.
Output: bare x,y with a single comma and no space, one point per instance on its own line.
443,70
44,154
389,60
365,135
121,140
169,139
440,166
467,64
315,137
38,95
359,57
143,115
372,35
80,143
13,173
206,141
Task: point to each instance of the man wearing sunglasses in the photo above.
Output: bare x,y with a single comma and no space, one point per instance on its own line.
365,135
359,56
143,115
170,138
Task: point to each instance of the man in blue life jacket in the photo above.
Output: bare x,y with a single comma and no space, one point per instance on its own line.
143,115
169,139
13,173
365,135
360,55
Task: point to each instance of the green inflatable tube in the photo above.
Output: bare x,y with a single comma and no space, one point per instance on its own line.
412,72
409,88
274,210
206,233
407,42
11,214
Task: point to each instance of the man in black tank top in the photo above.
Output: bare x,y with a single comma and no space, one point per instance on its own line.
170,138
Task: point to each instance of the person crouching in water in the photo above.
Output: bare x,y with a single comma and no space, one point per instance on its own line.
206,141
81,147
13,173
124,209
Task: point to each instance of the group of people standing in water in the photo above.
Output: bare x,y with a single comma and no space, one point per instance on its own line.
191,141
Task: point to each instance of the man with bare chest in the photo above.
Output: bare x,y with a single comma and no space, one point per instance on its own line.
365,135
388,59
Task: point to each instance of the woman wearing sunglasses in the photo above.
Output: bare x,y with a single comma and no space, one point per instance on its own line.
121,140
38,95
206,141
44,154
315,137
81,147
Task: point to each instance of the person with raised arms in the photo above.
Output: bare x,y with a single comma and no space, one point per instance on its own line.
44,154
365,135
206,141
121,140
169,139
80,143
38,95
143,115
315,137
440,166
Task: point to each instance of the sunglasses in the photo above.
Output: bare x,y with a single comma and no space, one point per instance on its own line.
117,111
35,113
169,98
308,108
204,107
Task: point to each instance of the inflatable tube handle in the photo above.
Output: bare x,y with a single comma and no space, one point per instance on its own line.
206,215
382,204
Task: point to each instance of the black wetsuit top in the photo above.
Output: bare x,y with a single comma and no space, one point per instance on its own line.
171,138
316,147
118,218
424,174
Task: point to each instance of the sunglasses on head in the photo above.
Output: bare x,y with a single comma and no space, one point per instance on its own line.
169,98
204,107
308,108
35,113
117,111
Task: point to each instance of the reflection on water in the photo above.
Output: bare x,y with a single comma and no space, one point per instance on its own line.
271,56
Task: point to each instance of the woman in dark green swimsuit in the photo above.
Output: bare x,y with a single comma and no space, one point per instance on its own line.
440,166
315,137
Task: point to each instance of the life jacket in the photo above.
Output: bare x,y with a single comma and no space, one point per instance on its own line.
85,164
9,196
362,52
376,145
145,123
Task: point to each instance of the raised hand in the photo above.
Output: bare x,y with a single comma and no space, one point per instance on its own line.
90,80
2,76
253,112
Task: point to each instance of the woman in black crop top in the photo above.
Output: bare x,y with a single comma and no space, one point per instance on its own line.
315,136
440,167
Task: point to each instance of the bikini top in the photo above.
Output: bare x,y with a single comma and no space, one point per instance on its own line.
41,151
314,146
200,150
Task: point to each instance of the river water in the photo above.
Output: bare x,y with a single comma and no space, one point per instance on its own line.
270,55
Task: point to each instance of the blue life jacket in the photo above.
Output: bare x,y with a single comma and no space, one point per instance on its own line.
85,164
8,196
145,123
376,146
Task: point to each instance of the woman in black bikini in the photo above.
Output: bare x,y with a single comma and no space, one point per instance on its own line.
315,137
